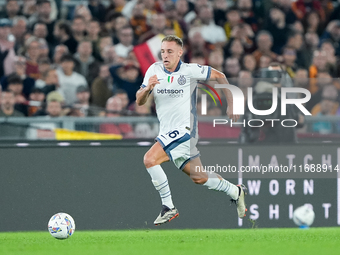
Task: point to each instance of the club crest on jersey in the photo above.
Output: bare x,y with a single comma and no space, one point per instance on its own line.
170,79
181,80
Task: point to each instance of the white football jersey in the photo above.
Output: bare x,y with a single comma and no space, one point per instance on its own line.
175,96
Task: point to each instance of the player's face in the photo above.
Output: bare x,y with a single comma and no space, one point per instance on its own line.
171,54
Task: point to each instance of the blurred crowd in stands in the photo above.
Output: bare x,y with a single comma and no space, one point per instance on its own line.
78,60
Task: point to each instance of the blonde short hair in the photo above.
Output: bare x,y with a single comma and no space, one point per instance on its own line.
173,38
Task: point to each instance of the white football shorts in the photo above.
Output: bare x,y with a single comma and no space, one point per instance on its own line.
179,146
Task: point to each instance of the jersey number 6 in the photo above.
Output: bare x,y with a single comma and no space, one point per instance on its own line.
173,134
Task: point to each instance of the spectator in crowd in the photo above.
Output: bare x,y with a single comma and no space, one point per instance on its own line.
335,14
69,80
236,49
150,8
216,59
82,10
93,36
210,31
182,8
82,107
286,7
109,56
265,61
333,33
105,41
54,108
55,103
117,23
19,29
59,51
319,64
97,10
40,30
312,23
12,9
199,59
197,45
158,24
114,108
125,36
332,61
44,50
264,41
63,33
138,20
116,6
296,41
123,96
29,8
7,53
298,27
220,8
102,86
79,28
51,81
86,64
191,16
36,98
20,70
7,105
43,15
245,34
249,63
128,77
93,31
32,52
44,65
172,21
289,57
15,85
232,68
302,7
233,19
247,14
278,28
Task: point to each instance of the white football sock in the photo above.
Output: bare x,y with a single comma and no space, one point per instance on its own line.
223,185
160,181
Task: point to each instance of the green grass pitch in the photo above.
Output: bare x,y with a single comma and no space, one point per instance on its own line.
243,241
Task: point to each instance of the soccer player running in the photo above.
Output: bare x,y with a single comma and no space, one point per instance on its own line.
174,86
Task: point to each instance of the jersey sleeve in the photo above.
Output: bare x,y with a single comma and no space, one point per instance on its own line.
200,72
147,76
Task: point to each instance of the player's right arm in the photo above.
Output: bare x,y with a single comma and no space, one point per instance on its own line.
143,93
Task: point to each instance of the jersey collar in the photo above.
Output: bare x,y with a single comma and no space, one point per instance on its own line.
177,68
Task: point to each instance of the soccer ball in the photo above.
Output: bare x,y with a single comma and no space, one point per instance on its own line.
61,226
303,216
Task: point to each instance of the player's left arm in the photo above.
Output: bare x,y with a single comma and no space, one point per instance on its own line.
222,79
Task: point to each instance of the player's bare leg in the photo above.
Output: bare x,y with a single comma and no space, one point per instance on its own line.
194,170
152,160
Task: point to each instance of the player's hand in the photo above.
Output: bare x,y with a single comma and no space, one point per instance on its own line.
152,82
231,115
